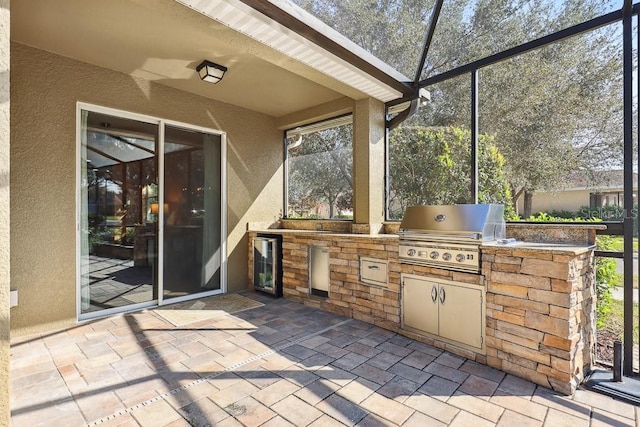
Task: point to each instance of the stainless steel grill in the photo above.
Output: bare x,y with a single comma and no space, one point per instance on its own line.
449,236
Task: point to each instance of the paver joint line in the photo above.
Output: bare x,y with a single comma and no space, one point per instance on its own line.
214,375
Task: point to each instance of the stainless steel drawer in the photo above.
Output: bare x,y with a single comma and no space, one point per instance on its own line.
373,271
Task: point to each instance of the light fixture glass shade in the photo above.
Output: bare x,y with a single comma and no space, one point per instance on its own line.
211,72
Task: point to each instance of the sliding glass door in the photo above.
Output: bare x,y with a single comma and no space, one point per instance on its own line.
150,212
192,197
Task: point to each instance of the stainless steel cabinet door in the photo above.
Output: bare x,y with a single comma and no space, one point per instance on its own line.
461,314
419,309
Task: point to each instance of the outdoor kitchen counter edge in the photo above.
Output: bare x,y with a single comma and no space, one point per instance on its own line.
553,248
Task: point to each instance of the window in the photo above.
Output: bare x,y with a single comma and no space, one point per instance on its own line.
319,176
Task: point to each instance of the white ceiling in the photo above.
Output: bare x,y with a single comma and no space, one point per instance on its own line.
164,41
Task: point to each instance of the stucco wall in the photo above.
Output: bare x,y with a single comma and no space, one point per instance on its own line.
45,90
570,200
4,213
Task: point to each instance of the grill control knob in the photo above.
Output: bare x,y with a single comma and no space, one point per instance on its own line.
434,255
460,258
446,256
411,252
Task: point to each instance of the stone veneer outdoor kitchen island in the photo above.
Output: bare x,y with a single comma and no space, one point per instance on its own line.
539,294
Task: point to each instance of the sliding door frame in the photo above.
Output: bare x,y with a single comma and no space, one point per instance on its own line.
161,123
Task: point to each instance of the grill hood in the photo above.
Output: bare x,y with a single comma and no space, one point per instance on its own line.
483,222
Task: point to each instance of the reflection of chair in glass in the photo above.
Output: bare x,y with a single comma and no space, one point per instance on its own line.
143,246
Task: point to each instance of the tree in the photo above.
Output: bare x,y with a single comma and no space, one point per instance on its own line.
320,172
552,111
432,165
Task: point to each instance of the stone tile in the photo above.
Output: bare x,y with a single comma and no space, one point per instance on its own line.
298,376
317,391
349,361
482,371
511,418
203,413
99,405
605,403
418,359
432,407
63,412
375,421
466,419
372,373
559,418
296,411
191,394
326,421
362,349
425,348
343,340
331,350
418,419
446,372
156,414
387,408
560,403
398,389
358,390
316,361
450,360
124,420
314,342
517,386
234,393
374,339
136,392
342,410
439,388
519,405
476,406
400,340
250,412
384,360
336,375
225,379
600,418
299,351
393,348
50,374
478,387
277,421
258,376
409,373
275,392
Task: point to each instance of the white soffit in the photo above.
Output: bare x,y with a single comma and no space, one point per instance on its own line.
242,18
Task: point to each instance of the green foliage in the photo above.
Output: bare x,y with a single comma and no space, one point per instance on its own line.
607,277
432,165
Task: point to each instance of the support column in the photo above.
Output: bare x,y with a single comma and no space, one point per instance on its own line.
4,213
368,166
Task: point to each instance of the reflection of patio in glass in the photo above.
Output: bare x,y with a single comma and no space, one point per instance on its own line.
117,283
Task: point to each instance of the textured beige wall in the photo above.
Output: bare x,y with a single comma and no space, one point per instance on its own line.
4,213
570,200
45,89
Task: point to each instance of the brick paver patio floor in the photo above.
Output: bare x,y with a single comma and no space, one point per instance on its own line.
281,364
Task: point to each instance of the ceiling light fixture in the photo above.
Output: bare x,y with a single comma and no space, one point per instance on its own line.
211,72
